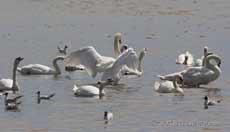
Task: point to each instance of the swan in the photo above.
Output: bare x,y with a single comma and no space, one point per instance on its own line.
90,59
38,69
196,76
117,51
11,101
186,58
170,86
91,90
11,84
139,72
62,51
128,58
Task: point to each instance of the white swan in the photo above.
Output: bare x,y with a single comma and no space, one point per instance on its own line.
90,59
195,76
11,84
91,90
38,69
117,45
128,58
170,86
126,71
186,58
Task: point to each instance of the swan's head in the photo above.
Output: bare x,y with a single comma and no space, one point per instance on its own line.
185,60
105,115
66,47
179,79
124,47
205,98
38,92
6,94
18,60
205,50
117,37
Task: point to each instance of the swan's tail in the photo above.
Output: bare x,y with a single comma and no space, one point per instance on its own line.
75,88
156,85
19,69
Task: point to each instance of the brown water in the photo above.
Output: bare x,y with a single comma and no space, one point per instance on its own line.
33,28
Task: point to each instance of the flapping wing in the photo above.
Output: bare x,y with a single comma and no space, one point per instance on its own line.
87,56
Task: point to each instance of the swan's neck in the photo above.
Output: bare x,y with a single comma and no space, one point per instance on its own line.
56,67
175,84
214,68
141,56
14,78
117,47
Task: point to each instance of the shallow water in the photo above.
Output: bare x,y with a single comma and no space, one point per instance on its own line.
135,105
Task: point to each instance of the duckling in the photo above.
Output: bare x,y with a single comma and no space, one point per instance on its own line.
209,102
11,101
62,51
108,115
44,97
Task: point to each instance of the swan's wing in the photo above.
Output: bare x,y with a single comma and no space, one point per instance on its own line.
88,57
35,68
6,83
128,58
169,77
180,59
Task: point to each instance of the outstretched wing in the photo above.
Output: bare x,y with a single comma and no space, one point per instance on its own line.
128,58
87,56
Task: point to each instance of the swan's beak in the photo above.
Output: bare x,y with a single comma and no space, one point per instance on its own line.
219,64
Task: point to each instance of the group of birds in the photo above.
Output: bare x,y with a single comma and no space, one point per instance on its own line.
196,72
126,62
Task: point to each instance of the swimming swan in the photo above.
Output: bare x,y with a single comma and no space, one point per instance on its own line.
11,84
170,86
38,69
195,76
91,90
209,102
126,71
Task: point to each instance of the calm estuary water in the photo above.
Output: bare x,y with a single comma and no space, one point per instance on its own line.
135,105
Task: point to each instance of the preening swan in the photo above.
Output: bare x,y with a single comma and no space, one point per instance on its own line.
62,51
38,69
11,84
187,58
126,71
91,90
170,86
195,76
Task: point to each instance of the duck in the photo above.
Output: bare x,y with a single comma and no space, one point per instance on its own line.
38,69
11,101
91,90
196,76
43,97
209,102
170,86
62,51
11,85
